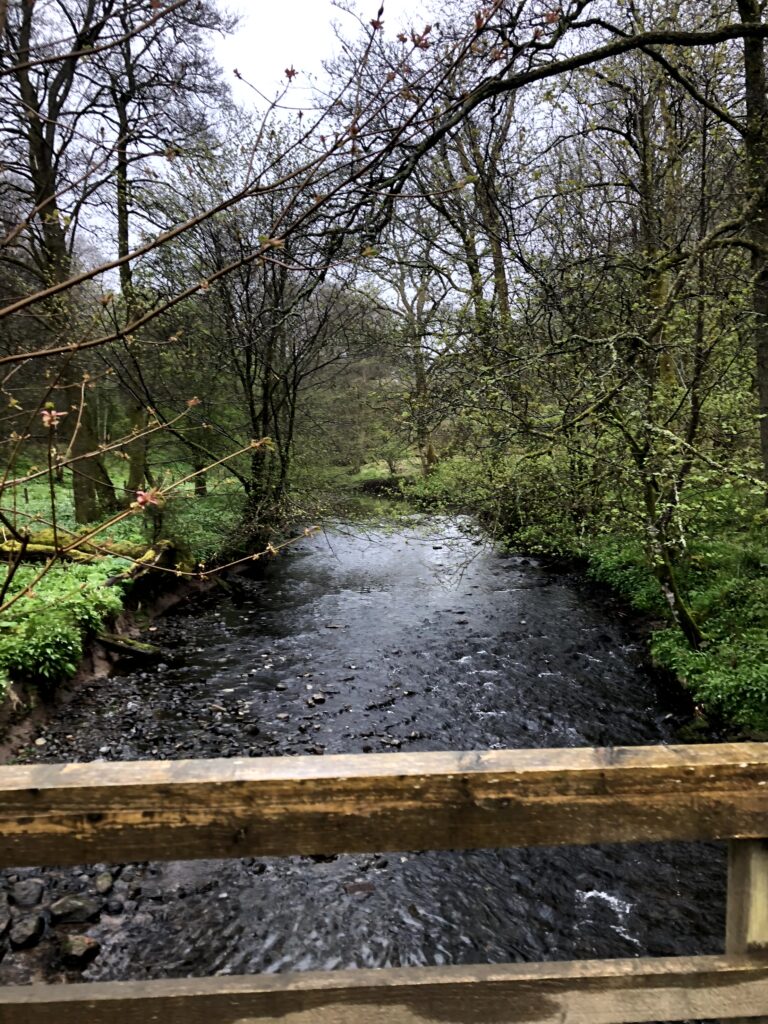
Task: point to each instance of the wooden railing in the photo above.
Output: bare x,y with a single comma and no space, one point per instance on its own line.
175,810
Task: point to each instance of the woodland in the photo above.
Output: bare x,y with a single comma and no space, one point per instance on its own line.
510,261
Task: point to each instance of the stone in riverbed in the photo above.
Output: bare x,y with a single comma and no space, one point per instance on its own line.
151,891
27,893
78,950
27,931
104,882
5,914
75,909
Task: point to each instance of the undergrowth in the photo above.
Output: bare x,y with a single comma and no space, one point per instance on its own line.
42,635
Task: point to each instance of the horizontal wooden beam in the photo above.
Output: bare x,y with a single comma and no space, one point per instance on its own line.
176,810
584,992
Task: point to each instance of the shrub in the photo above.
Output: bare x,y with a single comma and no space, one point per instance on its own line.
42,634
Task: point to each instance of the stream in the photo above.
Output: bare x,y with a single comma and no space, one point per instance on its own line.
421,636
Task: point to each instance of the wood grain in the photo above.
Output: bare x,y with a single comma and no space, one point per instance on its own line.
175,810
587,992
747,918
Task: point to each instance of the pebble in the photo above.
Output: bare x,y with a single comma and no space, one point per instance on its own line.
74,909
5,914
150,891
27,931
40,741
27,893
78,950
104,883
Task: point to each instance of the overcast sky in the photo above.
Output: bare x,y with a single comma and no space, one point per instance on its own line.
276,34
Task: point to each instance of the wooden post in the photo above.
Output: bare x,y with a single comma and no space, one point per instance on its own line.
746,929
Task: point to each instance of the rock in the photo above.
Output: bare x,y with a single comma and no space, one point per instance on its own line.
75,909
40,741
363,888
78,950
151,891
27,893
115,907
27,931
104,883
318,698
5,914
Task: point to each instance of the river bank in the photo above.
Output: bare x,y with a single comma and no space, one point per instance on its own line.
421,637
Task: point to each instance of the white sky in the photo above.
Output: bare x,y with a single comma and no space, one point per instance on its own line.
276,34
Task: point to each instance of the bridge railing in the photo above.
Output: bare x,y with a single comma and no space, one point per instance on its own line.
176,810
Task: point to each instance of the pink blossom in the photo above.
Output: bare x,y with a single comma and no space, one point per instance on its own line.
144,498
51,418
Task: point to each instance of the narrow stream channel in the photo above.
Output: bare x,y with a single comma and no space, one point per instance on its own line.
419,637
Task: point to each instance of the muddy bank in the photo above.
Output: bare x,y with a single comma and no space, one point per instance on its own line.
418,638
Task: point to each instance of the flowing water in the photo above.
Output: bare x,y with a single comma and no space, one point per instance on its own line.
419,637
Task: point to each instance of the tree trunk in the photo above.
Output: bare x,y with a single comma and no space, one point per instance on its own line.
756,146
136,450
92,489
201,480
661,558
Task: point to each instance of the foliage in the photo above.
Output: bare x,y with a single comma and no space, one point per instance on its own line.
726,578
203,527
42,635
620,562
